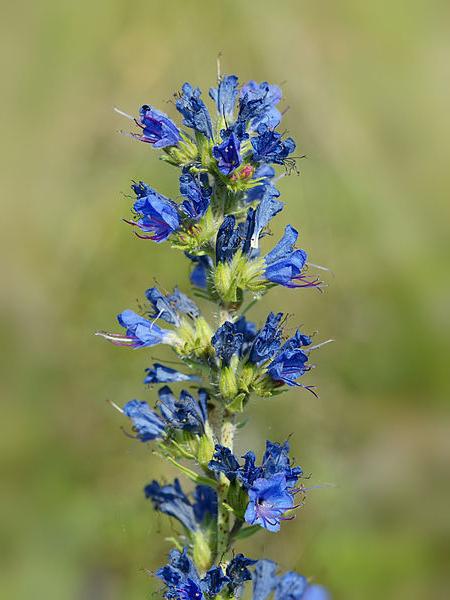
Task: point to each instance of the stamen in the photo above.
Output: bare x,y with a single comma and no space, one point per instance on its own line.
307,350
124,114
114,405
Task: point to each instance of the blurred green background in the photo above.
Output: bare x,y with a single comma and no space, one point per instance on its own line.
368,88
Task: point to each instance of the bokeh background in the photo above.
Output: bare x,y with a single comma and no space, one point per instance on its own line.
368,88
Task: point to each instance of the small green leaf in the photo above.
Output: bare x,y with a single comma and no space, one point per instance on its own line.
196,478
247,532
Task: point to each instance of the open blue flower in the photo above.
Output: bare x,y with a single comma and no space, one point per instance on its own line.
269,499
194,111
157,215
163,374
225,95
146,423
139,332
157,128
197,193
269,147
227,153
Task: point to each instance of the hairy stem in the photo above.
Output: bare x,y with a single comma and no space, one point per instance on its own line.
223,515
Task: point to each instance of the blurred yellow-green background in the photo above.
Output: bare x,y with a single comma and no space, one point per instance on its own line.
368,88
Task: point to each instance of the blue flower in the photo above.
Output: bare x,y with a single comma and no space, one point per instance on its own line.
139,332
284,263
172,501
292,586
203,265
197,192
183,581
162,307
146,423
194,111
264,579
168,307
266,96
291,362
238,572
162,374
157,128
231,238
181,577
269,500
227,341
269,147
224,461
268,340
227,153
225,95
157,215
186,413
205,503
214,581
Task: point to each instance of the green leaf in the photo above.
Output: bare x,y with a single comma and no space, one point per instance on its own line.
247,532
237,404
196,478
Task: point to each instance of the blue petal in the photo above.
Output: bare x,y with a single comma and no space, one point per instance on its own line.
146,423
224,461
225,95
157,128
162,306
227,153
214,581
291,585
162,374
264,579
143,331
172,501
194,111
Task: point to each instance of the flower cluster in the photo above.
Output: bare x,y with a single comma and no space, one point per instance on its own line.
228,198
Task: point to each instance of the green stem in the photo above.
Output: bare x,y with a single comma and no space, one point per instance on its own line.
223,514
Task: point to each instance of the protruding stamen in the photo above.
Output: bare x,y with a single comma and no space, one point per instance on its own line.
124,114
